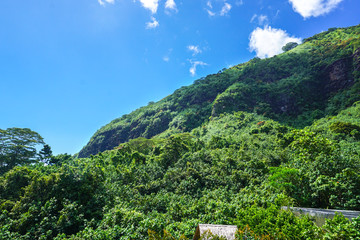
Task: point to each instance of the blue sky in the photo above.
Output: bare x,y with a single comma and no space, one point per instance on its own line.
69,67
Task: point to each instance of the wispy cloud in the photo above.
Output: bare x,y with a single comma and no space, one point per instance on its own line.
170,5
211,13
268,41
151,5
314,8
153,24
194,65
277,13
102,2
194,49
225,9
261,20
239,2
166,58
253,18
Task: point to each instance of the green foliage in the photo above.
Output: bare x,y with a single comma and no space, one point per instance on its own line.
346,128
221,151
18,147
308,145
341,228
60,158
289,46
312,80
45,154
237,169
285,179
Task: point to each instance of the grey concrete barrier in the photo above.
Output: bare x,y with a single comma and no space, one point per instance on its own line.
226,231
320,215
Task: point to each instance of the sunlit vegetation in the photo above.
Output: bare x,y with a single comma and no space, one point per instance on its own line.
311,80
232,148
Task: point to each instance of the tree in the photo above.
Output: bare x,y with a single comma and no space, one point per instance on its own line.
60,159
45,154
18,147
289,46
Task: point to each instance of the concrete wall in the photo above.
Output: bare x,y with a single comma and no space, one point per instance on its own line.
321,214
226,231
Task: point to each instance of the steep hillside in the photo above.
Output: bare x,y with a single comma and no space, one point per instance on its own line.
316,78
232,148
239,169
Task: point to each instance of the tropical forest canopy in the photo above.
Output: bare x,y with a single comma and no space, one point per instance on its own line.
232,148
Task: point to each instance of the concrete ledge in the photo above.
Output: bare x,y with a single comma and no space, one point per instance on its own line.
227,231
321,214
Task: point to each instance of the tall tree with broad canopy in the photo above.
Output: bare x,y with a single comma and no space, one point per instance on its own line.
18,147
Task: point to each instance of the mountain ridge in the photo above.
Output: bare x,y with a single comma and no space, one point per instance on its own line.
295,87
282,133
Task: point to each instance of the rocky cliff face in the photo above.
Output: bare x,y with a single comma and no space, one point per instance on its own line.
338,75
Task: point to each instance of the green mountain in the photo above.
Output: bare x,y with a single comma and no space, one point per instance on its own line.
232,148
315,79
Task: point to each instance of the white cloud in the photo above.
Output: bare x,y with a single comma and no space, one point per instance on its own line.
194,49
170,4
277,13
314,8
152,5
194,64
211,13
153,24
262,19
268,42
225,9
239,2
101,2
166,58
253,18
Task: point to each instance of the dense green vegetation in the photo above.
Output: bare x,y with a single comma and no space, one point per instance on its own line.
18,147
232,148
238,169
317,78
